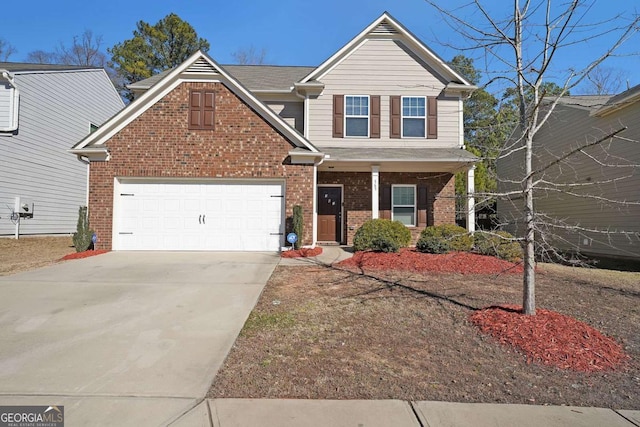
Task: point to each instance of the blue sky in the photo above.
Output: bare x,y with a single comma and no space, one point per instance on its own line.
293,32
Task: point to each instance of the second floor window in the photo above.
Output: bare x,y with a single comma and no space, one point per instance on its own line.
356,116
414,117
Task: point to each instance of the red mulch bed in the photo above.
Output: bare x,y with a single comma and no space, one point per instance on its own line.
551,338
85,254
302,253
411,260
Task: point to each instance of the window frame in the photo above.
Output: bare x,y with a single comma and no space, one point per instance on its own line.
424,118
414,206
347,116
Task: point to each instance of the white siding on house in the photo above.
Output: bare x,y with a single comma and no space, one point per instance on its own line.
568,128
56,111
385,67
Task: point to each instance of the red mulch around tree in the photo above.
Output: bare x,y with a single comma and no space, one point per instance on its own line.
85,254
551,338
302,252
411,260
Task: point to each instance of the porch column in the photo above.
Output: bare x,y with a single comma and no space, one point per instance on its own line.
375,190
471,202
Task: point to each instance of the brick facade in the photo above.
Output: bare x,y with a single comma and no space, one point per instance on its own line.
159,144
357,196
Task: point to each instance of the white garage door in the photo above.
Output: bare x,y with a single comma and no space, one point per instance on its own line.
209,216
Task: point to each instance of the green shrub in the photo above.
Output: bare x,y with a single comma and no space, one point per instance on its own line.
499,244
384,244
82,237
381,235
441,239
298,222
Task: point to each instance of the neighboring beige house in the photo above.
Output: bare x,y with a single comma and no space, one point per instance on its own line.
213,157
590,201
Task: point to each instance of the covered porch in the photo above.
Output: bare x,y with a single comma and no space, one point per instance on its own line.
411,185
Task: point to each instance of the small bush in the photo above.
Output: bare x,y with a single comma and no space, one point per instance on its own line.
499,244
298,222
82,237
381,235
441,239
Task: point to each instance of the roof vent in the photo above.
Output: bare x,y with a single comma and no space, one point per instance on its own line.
201,66
384,28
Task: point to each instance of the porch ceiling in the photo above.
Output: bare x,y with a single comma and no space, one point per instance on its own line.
396,159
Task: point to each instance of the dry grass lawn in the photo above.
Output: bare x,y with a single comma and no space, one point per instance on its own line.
323,333
28,253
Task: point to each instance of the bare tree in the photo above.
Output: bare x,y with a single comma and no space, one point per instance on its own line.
523,46
85,50
6,50
249,56
41,57
605,81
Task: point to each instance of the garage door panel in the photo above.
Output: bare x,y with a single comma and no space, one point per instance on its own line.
200,216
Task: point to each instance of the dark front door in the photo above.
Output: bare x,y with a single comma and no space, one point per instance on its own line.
330,214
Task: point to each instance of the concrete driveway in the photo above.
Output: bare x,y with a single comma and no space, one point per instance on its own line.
124,338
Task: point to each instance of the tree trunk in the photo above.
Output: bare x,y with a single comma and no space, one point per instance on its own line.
529,276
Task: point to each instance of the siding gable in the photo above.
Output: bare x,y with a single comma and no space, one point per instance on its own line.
386,68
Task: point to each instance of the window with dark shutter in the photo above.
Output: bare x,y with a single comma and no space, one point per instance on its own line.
201,109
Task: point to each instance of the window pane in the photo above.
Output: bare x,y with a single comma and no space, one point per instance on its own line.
413,107
404,215
413,127
357,127
403,196
357,106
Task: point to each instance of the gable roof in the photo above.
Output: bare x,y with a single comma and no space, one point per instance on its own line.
619,101
201,67
386,26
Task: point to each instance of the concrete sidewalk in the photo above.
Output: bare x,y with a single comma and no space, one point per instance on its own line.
373,413
329,255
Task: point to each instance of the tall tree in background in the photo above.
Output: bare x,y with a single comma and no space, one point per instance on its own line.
249,56
525,43
154,48
485,129
6,50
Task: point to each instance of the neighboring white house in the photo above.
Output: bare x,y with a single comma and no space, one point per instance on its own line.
600,184
44,110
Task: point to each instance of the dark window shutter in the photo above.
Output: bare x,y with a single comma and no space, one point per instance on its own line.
338,116
432,117
195,109
374,120
394,131
208,109
422,206
385,202
201,109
